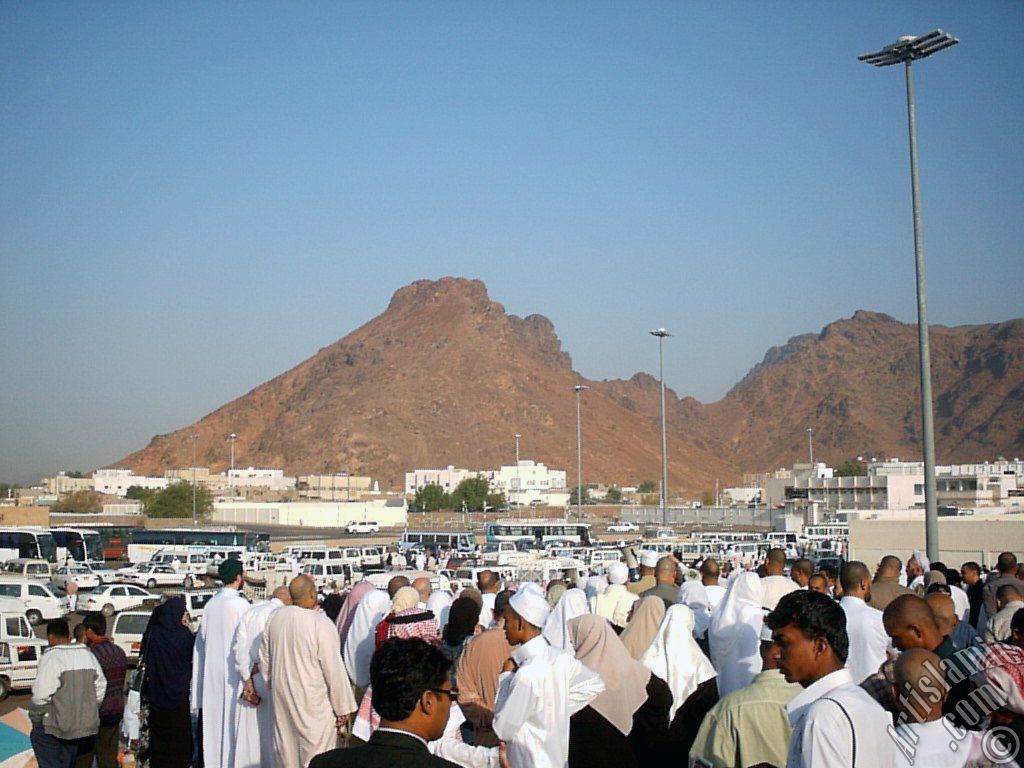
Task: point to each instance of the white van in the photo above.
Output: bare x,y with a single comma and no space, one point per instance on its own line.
194,563
466,576
30,568
127,631
39,601
364,527
324,573
438,581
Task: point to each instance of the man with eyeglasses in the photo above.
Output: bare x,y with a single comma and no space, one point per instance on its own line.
413,694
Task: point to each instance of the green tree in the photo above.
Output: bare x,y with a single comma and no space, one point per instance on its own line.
495,500
574,494
614,495
176,501
431,497
850,469
647,486
138,493
472,491
80,503
75,473
707,499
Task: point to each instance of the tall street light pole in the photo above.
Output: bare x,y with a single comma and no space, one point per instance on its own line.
519,483
231,475
195,437
661,333
905,51
579,453
810,447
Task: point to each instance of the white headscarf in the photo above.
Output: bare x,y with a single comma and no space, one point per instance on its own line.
734,634
693,595
675,657
359,643
571,604
440,603
618,573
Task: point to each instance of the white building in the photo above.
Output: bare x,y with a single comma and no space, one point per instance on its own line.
274,479
526,483
314,514
741,496
116,482
61,484
448,478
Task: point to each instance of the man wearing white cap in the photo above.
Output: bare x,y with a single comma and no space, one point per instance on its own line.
540,688
616,601
648,564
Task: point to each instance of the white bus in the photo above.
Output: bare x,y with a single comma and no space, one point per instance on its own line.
827,531
78,544
539,532
458,541
27,543
146,543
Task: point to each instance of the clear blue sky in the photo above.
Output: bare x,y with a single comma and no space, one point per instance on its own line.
197,196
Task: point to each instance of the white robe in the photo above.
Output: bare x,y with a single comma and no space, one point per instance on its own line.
359,643
254,726
734,634
300,655
218,685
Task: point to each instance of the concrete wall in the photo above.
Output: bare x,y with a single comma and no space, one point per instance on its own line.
24,516
312,514
960,538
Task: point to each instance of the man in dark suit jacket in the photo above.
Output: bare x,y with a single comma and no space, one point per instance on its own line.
412,693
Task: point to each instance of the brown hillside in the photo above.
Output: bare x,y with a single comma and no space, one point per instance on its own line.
445,376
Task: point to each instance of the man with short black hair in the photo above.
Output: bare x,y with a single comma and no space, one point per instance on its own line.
775,584
66,694
412,693
709,576
818,583
115,666
801,572
864,626
488,583
1007,567
396,583
974,585
835,723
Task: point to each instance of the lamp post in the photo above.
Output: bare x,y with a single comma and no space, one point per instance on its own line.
810,447
661,333
195,437
519,483
579,453
231,475
905,51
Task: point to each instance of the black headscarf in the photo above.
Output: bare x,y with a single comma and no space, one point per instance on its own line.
462,620
168,656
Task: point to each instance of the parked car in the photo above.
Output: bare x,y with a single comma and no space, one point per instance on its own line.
114,598
33,569
127,632
82,575
38,600
624,527
195,603
324,573
363,527
19,662
153,576
105,572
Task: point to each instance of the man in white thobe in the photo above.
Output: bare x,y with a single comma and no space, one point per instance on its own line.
215,679
300,656
254,716
540,688
869,642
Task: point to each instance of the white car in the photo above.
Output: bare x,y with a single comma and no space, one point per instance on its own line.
82,575
153,576
107,575
363,527
623,527
127,630
115,598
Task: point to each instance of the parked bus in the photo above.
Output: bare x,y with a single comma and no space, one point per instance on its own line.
145,543
457,541
827,531
539,532
78,544
31,543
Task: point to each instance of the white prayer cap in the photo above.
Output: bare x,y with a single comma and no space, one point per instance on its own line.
649,559
766,633
618,573
531,603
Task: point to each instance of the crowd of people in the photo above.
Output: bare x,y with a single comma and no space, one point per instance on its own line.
699,664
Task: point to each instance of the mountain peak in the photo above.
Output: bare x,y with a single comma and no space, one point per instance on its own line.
423,292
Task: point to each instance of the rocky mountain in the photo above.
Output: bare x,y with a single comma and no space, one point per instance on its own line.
446,376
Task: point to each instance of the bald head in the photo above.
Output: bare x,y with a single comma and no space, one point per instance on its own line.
919,685
890,566
282,594
423,588
910,623
1006,594
775,562
666,570
855,580
396,584
801,571
487,581
303,591
943,611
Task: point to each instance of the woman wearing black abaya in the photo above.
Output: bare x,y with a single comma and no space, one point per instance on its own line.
167,654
